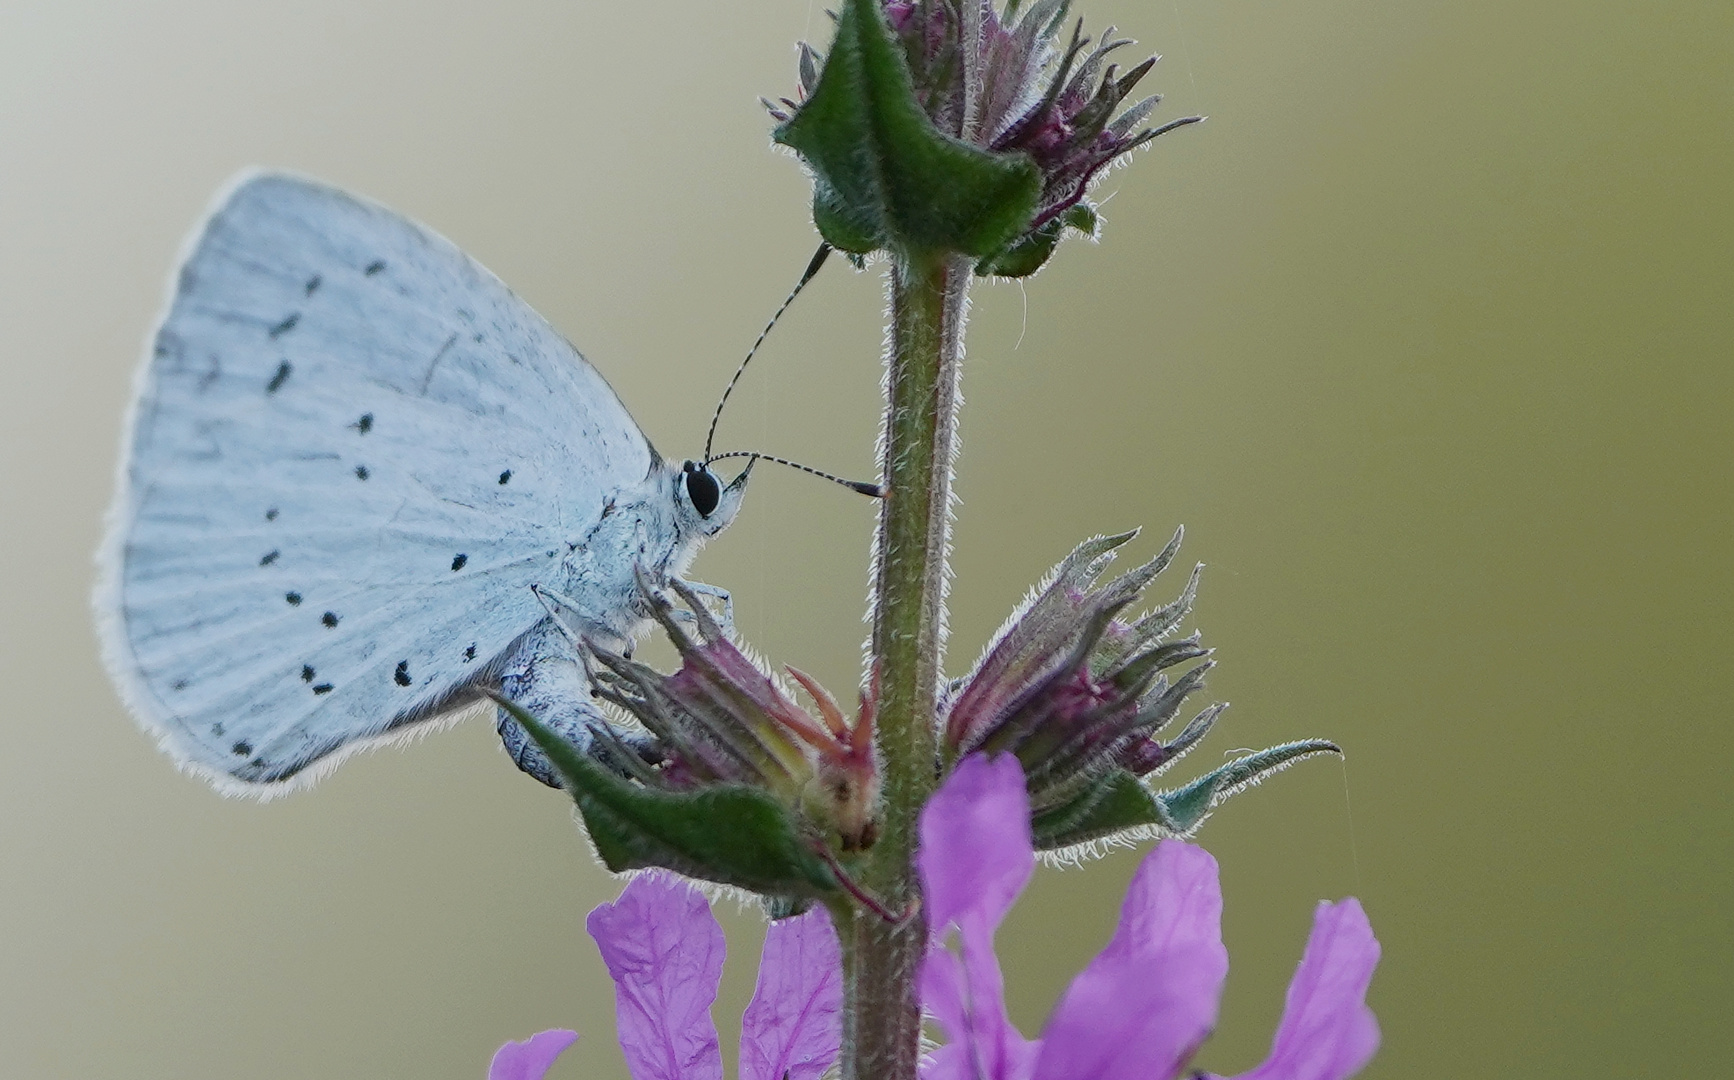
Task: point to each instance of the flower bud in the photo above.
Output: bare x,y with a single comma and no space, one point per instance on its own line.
720,720
1082,697
962,127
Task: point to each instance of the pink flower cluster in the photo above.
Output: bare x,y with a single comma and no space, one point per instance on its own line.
1138,1011
1144,1005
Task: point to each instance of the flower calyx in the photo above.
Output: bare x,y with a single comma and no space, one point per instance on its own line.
957,126
740,786
1082,696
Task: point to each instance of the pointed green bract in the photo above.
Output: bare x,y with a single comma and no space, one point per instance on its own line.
1119,802
1187,807
1032,250
731,835
884,176
1114,804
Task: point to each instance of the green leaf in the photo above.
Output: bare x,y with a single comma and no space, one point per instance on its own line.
1033,249
884,176
1082,217
1115,804
778,908
1187,807
853,238
732,835
1025,257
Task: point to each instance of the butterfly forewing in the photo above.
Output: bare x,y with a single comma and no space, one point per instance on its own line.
353,451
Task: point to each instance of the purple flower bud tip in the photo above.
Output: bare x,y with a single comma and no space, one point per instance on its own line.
1146,1003
532,1058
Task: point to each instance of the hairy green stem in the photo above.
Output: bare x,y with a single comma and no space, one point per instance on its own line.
882,1014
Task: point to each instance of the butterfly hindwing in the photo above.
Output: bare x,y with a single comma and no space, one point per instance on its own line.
353,450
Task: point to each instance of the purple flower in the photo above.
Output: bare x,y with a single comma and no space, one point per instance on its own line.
1142,1007
664,950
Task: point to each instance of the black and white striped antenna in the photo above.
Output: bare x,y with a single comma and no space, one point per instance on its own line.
860,486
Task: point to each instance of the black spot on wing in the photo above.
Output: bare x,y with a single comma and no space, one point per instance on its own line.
329,619
180,684
374,267
307,673
361,472
285,326
505,477
270,557
271,514
365,424
469,654
401,675
323,688
242,748
459,561
313,284
294,599
217,730
279,379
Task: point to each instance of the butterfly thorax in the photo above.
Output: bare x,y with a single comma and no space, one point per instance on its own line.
640,530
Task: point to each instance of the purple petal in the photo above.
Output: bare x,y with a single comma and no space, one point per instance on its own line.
530,1059
975,858
664,950
792,1028
957,1061
967,998
1327,1031
1143,1006
976,855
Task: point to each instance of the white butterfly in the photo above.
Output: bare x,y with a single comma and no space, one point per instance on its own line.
358,476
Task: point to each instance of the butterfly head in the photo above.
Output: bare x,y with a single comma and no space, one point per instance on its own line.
708,504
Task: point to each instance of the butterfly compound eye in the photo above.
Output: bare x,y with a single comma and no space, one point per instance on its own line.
703,488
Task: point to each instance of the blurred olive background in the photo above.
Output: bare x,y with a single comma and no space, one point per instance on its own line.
1426,337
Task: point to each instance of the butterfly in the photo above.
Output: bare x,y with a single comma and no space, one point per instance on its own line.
362,484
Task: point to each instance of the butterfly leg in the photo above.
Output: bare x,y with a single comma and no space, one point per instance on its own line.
545,678
552,602
726,616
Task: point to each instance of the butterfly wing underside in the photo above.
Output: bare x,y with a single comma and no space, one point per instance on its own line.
352,452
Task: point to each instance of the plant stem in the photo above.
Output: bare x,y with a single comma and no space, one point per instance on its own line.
882,1014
